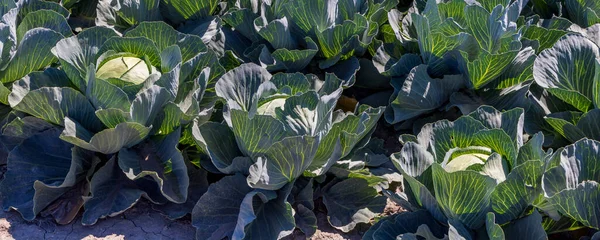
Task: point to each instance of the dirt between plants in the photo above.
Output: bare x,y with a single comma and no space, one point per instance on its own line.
139,223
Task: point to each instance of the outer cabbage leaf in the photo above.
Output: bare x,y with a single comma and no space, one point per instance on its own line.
350,202
123,14
31,193
528,226
197,187
53,104
27,27
350,130
18,129
574,125
112,192
243,213
159,158
571,182
563,70
183,10
220,144
420,94
405,224
583,13
472,198
283,162
107,141
164,36
27,58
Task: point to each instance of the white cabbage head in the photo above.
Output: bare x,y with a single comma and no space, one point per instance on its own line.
129,69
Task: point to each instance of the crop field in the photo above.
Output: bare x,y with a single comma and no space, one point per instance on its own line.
300,119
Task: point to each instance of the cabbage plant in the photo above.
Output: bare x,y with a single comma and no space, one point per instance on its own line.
472,178
288,35
278,132
455,54
110,120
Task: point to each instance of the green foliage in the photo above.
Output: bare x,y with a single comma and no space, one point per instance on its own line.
476,173
255,116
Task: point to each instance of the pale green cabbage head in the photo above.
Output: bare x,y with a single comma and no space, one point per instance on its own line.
130,69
